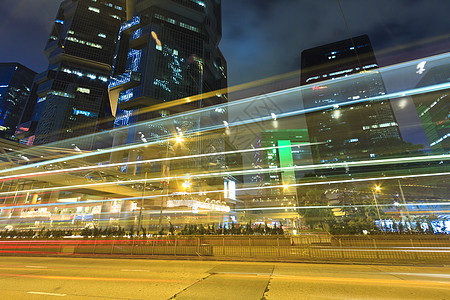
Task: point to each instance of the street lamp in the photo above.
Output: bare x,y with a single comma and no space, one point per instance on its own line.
142,203
376,189
186,184
178,139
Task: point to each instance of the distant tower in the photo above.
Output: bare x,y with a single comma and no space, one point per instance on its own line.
15,86
343,132
71,95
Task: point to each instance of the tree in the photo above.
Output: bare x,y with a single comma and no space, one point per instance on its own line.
171,228
320,216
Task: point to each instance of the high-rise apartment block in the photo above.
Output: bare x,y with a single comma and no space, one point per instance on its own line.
343,125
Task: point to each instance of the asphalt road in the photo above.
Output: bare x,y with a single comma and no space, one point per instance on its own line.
94,278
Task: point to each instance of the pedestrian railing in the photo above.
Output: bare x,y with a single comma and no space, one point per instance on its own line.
346,248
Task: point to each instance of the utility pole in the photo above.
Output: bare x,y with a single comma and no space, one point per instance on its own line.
142,203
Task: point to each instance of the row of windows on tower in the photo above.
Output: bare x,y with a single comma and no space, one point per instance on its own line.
110,5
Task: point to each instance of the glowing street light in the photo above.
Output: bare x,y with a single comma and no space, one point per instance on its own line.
187,184
376,189
179,139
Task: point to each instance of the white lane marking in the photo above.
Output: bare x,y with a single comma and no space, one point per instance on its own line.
129,270
38,267
48,294
423,274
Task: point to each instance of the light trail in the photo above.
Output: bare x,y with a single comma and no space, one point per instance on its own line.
80,278
47,294
289,208
167,120
110,165
187,157
250,171
376,281
248,189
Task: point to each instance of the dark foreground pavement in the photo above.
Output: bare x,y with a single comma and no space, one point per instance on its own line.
94,278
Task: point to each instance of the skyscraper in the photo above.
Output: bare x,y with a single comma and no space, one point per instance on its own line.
168,56
434,110
346,130
15,87
71,95
167,51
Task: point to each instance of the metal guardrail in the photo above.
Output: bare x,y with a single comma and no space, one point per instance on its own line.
434,251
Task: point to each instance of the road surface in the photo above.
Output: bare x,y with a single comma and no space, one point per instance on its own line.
97,278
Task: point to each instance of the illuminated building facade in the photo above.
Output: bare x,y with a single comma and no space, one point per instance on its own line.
15,87
347,127
71,95
167,51
281,150
434,110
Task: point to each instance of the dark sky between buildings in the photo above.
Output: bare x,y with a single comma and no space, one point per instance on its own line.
263,38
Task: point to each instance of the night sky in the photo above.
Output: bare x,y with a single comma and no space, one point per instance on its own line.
263,38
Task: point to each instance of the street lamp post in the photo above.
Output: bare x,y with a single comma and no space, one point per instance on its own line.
377,188
404,201
165,170
142,203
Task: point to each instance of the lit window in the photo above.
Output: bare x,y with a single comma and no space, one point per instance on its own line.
83,90
96,10
201,3
192,28
84,113
61,94
75,40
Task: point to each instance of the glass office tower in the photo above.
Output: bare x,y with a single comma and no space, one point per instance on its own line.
15,87
434,110
167,51
71,95
168,63
343,126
